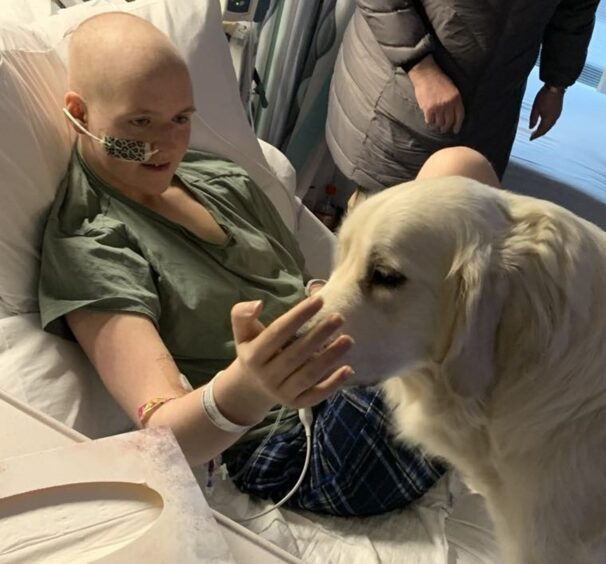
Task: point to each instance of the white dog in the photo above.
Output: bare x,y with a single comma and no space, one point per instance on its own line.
484,313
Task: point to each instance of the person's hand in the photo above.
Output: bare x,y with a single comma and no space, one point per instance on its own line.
280,368
437,96
547,106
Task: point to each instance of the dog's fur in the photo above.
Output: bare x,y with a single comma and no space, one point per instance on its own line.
484,315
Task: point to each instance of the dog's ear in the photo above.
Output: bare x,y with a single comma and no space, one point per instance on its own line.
473,302
516,301
552,277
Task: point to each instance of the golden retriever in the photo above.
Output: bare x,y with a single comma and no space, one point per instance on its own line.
484,315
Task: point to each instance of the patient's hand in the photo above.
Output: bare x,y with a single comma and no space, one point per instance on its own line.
276,367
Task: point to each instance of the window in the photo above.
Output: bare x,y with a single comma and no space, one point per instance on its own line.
595,65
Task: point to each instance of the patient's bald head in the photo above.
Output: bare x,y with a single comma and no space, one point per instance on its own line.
128,81
114,50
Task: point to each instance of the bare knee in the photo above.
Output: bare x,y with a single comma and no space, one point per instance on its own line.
459,161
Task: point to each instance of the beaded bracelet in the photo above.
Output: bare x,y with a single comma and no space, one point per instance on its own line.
145,411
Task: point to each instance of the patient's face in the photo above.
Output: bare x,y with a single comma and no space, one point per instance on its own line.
156,109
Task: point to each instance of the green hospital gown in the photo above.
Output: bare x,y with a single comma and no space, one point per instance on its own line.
106,252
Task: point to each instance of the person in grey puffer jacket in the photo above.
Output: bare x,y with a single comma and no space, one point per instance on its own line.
415,76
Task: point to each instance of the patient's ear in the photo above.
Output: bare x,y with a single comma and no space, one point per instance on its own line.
466,349
76,106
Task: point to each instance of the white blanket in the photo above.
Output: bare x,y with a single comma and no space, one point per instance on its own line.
448,525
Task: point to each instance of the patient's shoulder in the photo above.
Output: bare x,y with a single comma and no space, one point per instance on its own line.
207,166
78,208
222,178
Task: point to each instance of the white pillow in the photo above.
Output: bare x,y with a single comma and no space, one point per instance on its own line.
35,141
54,376
35,144
24,11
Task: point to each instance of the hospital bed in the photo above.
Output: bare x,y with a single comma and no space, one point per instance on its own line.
52,376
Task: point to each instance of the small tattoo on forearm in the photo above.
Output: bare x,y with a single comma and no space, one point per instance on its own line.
166,357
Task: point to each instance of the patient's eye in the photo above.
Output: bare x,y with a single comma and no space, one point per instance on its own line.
140,122
182,119
386,278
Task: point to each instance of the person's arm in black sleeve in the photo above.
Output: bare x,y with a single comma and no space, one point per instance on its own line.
565,42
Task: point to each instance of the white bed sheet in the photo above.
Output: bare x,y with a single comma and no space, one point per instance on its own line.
449,525
568,165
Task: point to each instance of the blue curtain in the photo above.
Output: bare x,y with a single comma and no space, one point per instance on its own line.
299,42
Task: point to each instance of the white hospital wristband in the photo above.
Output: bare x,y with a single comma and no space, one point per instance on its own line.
209,406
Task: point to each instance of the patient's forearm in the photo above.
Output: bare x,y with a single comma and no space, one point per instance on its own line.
199,439
136,367
197,436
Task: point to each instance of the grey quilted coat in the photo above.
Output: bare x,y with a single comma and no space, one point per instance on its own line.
375,130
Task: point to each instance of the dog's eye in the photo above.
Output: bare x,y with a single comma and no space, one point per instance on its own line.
386,278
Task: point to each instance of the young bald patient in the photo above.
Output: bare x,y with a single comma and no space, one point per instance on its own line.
164,262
